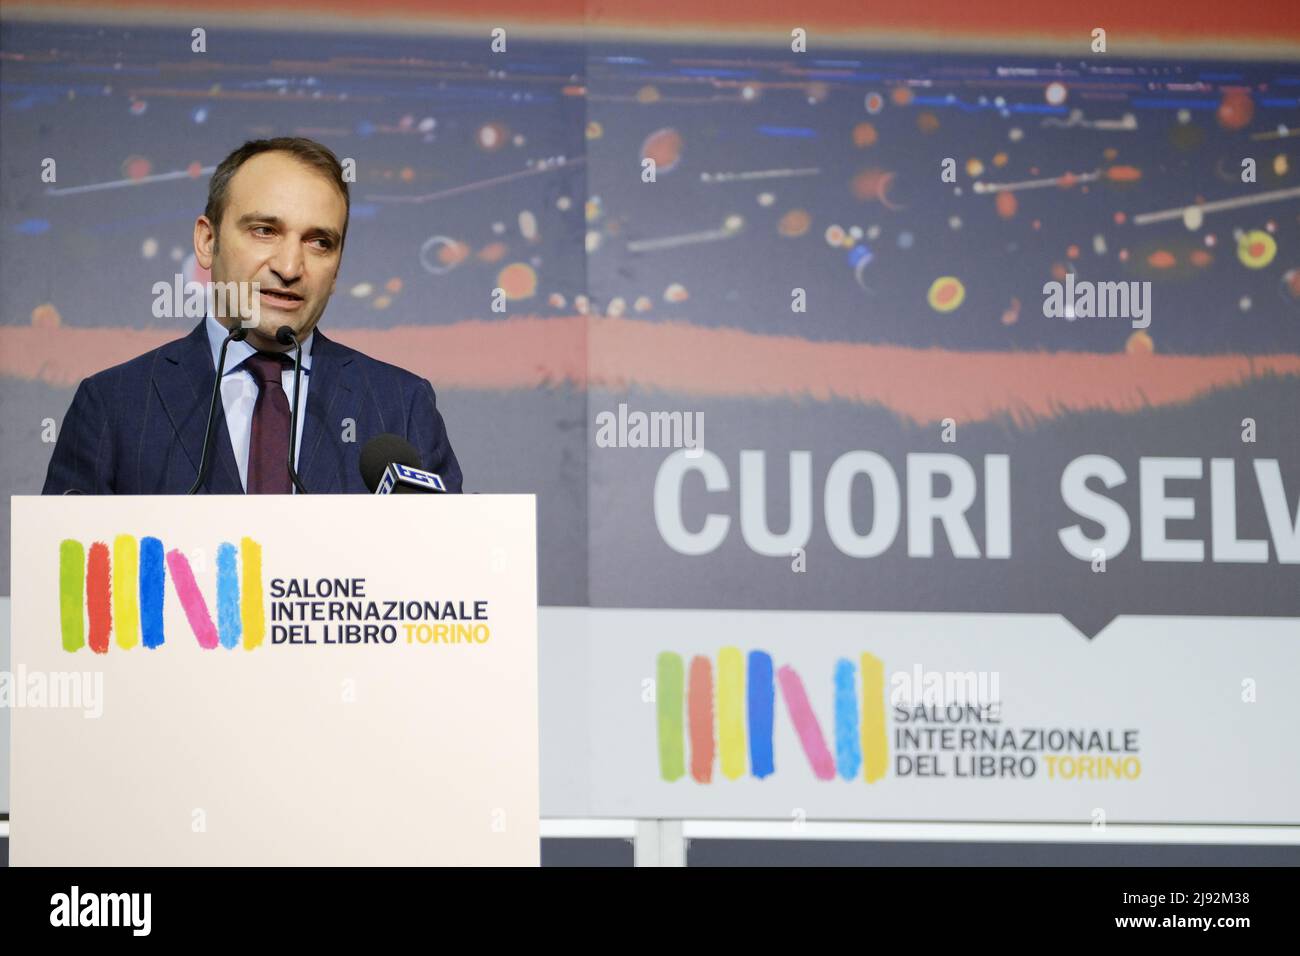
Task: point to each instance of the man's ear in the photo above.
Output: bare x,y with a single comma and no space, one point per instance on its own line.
205,241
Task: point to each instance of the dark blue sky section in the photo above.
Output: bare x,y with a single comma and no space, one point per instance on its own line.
745,281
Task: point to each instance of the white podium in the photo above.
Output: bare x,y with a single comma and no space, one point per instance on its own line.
324,679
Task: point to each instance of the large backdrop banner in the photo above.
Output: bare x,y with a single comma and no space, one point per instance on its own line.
918,424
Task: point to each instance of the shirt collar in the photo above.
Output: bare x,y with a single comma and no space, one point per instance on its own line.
238,351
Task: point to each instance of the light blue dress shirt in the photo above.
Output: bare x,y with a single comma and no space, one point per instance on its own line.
239,394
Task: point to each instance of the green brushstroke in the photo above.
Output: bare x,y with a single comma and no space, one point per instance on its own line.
72,594
669,682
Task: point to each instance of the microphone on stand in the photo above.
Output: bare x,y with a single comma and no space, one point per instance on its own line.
390,465
284,335
235,335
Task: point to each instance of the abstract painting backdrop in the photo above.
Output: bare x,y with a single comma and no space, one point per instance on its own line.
841,250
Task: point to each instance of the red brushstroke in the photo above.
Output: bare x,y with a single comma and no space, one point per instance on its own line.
921,385
700,711
99,605
1168,19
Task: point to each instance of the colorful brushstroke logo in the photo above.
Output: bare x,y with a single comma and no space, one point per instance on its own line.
745,701
120,595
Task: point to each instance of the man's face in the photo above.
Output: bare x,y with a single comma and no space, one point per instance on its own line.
282,227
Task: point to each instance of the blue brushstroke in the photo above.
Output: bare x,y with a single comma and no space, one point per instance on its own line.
951,101
762,700
839,77
1142,102
229,626
152,581
848,743
802,132
713,71
1037,108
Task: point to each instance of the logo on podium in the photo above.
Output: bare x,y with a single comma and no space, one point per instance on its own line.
120,595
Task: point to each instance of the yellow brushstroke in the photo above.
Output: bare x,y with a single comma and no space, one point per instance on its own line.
251,608
126,590
875,742
731,711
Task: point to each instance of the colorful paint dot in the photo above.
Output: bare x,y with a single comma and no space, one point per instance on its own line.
946,294
864,135
517,280
1256,249
1140,343
794,223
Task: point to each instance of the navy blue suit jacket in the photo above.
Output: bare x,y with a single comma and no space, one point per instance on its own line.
137,428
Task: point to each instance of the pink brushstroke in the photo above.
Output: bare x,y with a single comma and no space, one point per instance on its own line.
805,723
196,609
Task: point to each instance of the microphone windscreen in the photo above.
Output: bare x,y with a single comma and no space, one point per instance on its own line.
381,451
284,335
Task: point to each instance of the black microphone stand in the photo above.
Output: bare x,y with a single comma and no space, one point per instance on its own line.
236,335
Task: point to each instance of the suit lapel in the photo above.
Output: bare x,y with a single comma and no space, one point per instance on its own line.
329,401
183,379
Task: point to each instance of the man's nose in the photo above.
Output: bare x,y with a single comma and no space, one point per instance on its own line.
287,263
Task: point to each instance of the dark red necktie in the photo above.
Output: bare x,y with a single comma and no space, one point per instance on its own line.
268,442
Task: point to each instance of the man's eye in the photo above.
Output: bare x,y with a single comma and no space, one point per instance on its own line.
260,230
324,244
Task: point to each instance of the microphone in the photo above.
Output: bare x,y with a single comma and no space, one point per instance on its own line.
284,335
235,335
390,465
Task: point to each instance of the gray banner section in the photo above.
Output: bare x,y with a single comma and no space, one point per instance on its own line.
632,566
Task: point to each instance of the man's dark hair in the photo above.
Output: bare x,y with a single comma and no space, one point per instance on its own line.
307,151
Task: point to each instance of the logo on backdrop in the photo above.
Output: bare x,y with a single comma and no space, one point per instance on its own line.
729,720
745,701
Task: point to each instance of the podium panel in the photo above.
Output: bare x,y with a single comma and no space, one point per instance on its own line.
258,680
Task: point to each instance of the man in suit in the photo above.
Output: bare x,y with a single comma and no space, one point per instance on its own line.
277,215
